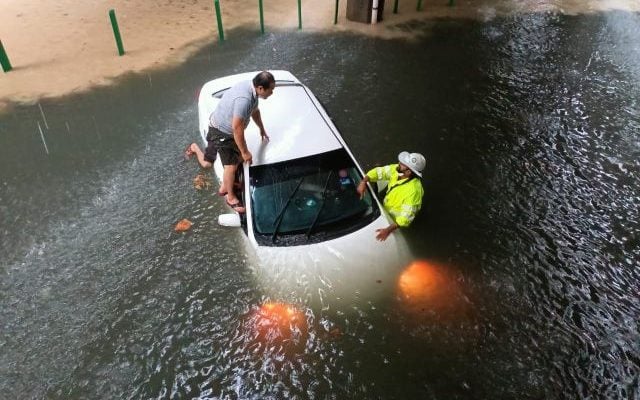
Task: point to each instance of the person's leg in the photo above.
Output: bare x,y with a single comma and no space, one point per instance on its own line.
228,178
230,158
228,181
200,155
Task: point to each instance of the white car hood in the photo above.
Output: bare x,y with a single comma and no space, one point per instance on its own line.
355,264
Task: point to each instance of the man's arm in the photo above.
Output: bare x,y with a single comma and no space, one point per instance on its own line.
238,135
408,210
257,118
362,186
374,175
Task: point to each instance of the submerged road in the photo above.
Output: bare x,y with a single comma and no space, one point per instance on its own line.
529,237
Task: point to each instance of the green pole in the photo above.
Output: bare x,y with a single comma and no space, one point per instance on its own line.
335,19
116,31
395,7
299,14
419,7
4,59
216,3
261,17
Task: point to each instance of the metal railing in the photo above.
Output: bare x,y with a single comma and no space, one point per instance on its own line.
4,59
116,31
6,64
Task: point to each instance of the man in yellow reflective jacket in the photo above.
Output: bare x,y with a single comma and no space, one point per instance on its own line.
404,190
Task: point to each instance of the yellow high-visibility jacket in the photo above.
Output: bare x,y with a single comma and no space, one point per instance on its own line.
404,197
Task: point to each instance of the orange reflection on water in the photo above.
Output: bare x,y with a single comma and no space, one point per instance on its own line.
277,321
279,327
426,285
280,313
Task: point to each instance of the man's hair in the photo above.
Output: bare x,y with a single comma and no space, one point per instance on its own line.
264,79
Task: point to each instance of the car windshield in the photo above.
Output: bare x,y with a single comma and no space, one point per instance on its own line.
308,200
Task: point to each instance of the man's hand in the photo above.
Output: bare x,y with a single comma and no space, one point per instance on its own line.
263,135
362,188
247,157
383,234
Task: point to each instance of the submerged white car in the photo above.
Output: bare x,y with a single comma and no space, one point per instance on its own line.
304,220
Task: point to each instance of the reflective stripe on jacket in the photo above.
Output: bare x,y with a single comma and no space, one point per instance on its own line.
404,197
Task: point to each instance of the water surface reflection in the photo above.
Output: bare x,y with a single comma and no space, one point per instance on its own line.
525,283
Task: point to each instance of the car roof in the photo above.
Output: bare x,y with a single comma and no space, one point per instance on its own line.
295,121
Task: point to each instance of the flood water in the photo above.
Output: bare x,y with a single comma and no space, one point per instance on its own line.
529,237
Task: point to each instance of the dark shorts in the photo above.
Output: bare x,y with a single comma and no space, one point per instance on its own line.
211,152
224,145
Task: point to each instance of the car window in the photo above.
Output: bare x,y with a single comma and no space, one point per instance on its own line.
308,200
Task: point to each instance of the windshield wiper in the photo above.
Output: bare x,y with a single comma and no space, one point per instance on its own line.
279,218
324,195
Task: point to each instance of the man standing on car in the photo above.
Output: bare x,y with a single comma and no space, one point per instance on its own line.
404,190
227,123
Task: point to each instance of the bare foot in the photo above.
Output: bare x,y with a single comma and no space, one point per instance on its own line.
189,151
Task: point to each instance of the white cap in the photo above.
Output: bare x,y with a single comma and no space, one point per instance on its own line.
415,161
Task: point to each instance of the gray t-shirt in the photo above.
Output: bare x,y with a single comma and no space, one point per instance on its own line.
239,101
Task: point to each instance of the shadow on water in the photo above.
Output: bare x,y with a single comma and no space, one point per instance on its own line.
528,235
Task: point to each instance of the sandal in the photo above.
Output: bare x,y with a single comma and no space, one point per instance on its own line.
237,206
188,152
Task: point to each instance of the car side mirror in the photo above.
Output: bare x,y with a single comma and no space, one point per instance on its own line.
230,220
